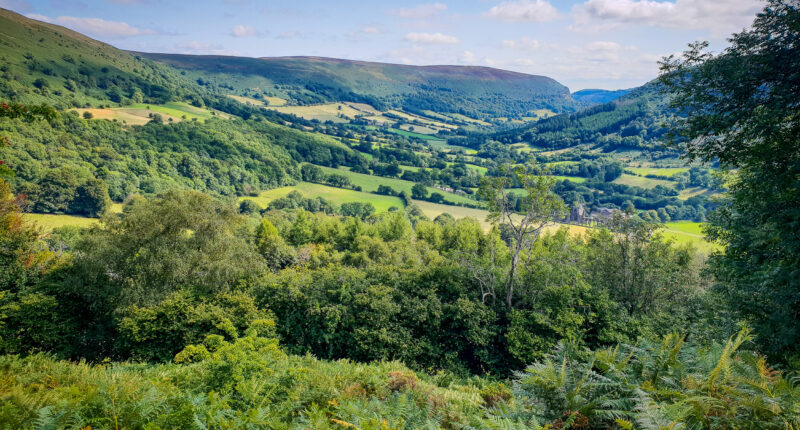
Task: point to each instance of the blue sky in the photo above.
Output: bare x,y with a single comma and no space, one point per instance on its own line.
606,44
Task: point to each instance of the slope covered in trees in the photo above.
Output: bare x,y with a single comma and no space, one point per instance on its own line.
633,121
476,91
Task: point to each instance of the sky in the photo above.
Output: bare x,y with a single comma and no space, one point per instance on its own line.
607,44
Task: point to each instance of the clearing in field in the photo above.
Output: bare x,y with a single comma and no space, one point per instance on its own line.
334,195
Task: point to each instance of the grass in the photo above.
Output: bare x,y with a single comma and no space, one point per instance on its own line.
371,183
332,194
688,232
48,222
660,171
321,112
639,181
271,101
695,191
576,179
138,114
407,133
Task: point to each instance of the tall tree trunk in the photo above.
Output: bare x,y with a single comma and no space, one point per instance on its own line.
512,272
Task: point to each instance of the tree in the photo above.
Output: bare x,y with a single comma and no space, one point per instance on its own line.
419,192
537,209
88,115
740,108
91,198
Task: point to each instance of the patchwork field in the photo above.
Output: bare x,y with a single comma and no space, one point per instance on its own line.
334,195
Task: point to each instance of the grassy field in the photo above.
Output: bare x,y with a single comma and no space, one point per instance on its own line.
660,171
48,222
689,232
639,181
138,114
270,101
371,183
322,112
418,129
332,194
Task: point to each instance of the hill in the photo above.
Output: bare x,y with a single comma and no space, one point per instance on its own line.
46,63
633,121
476,91
593,96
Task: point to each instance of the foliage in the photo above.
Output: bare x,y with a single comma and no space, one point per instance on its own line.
741,108
669,384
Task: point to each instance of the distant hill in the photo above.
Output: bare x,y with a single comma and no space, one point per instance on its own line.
593,96
42,62
471,90
632,121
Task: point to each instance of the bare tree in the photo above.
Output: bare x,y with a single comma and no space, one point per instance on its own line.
524,214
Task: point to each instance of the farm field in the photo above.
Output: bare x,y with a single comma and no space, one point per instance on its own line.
138,114
371,183
322,112
689,232
639,181
660,171
332,194
695,191
271,101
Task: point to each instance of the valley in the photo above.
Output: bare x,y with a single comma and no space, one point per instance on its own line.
198,238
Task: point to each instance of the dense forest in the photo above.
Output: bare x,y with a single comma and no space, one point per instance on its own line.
191,308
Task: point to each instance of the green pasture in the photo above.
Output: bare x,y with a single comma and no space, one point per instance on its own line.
640,181
371,183
660,171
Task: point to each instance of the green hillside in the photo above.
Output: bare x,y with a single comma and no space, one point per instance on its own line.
41,62
633,121
477,91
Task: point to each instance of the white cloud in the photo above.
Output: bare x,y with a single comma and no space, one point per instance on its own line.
370,30
431,38
524,10
424,11
720,17
244,31
97,26
524,43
